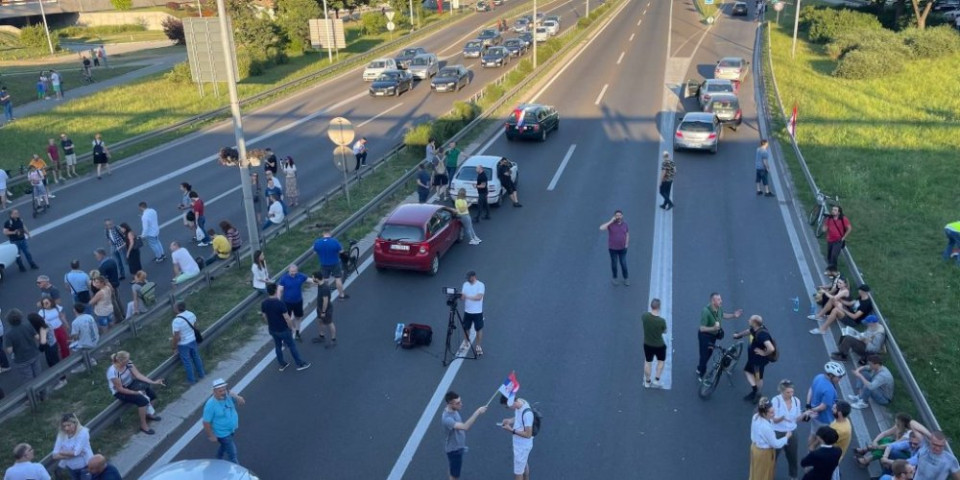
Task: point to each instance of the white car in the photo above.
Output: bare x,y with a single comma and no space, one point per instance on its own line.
541,35
378,66
8,257
466,178
552,27
200,470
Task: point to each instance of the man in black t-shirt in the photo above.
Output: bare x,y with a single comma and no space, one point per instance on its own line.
17,232
278,320
324,311
758,354
864,307
506,180
482,190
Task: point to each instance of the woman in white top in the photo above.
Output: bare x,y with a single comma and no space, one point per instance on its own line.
764,442
72,447
102,303
57,321
290,181
786,411
260,274
128,385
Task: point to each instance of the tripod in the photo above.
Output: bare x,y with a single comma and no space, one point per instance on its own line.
470,354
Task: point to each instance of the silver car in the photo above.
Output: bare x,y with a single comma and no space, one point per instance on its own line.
698,131
200,470
712,87
424,66
731,68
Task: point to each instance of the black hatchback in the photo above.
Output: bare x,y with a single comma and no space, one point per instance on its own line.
531,120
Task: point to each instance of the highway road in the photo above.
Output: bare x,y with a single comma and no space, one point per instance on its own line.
368,411
296,126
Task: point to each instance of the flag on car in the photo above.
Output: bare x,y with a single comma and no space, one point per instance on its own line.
792,123
519,114
510,387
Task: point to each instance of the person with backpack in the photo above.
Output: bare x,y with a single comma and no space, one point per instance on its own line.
101,155
522,426
186,337
761,351
144,294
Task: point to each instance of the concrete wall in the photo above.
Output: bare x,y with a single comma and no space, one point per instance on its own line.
10,29
150,20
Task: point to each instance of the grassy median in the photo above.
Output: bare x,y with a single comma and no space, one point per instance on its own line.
887,147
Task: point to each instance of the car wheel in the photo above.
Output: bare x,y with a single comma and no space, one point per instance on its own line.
716,146
543,135
556,128
435,265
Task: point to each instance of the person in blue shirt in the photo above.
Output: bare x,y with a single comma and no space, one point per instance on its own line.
328,250
290,289
278,321
821,397
220,419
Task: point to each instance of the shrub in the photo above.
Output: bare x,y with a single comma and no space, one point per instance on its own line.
35,36
465,111
417,137
931,42
122,4
173,29
829,24
180,73
373,23
862,64
863,39
173,5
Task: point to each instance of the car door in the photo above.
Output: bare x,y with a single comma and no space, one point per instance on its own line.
462,77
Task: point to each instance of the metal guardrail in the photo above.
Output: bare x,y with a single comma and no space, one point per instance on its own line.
916,394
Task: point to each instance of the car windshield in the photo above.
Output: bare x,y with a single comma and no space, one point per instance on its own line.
729,63
696,126
469,174
473,44
448,72
388,76
421,61
550,23
723,104
409,52
513,42
405,233
496,51
720,87
488,34
377,64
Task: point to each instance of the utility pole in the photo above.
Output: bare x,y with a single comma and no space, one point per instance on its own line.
796,22
329,26
229,56
46,28
534,34
411,15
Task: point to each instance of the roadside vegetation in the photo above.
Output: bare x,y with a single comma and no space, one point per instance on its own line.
879,116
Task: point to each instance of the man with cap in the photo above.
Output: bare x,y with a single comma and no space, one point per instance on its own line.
220,419
472,295
862,343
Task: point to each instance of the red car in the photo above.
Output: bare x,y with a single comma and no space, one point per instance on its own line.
415,236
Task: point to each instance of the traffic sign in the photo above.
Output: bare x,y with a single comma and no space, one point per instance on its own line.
343,159
391,26
708,2
777,6
390,14
340,131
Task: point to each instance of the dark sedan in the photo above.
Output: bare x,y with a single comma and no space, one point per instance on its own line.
474,49
726,106
532,120
450,79
490,37
516,46
740,9
495,57
391,82
406,55
527,38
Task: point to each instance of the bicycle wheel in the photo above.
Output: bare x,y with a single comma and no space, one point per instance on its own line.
813,218
710,380
734,353
354,262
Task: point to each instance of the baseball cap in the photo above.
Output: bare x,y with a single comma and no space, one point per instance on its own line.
871,319
865,287
219,383
471,273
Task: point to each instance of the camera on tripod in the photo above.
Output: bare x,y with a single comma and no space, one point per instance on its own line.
453,296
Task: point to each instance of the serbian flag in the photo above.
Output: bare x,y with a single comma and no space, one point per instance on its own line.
519,114
510,387
792,123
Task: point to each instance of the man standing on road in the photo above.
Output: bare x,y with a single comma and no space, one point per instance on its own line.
324,311
837,227
472,294
360,153
24,343
762,163
47,290
654,326
185,266
7,104
521,426
277,318
456,431
17,232
668,170
290,290
618,239
220,419
78,282
68,155
820,399
150,231
710,329
328,250
184,343
758,354
482,191
451,158
118,244
108,268
423,183
506,180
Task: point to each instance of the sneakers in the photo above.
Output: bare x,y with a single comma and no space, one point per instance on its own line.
759,192
752,396
854,398
647,383
615,281
814,317
840,357
60,384
284,366
5,370
626,281
332,344
303,367
203,244
656,383
475,241
768,194
816,331
859,405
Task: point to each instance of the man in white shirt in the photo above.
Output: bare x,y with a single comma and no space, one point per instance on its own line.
184,266
184,343
521,427
24,467
83,329
3,188
275,213
55,81
150,231
472,295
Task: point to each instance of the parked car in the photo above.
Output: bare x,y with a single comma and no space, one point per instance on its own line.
532,120
407,55
378,66
731,68
466,178
474,49
698,131
726,106
200,470
482,6
521,25
391,83
424,66
951,15
432,5
739,9
450,79
490,37
555,18
8,257
552,27
712,86
541,34
527,38
516,46
498,2
946,5
415,236
495,57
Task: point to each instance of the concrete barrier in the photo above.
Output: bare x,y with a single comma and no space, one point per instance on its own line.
150,20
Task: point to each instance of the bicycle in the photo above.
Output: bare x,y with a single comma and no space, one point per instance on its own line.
87,77
350,259
821,211
723,363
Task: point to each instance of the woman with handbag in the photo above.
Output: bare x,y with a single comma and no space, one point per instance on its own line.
128,385
134,244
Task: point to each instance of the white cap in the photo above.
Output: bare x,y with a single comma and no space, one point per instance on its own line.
219,383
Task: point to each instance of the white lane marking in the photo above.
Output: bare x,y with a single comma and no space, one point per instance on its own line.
181,171
621,57
563,165
644,11
361,124
631,36
639,21
602,91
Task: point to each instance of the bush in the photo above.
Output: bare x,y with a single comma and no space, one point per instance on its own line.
373,23
863,64
173,5
464,111
173,29
931,42
180,73
35,36
863,39
417,137
829,24
122,4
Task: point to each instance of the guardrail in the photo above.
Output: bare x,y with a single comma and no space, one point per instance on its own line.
916,394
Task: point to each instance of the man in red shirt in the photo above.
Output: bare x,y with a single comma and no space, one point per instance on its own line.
617,242
837,227
197,204
54,155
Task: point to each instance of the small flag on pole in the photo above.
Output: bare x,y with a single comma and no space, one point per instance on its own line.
519,114
510,387
792,123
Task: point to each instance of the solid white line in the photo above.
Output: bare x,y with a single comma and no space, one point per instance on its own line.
621,57
602,91
361,124
631,36
644,11
563,165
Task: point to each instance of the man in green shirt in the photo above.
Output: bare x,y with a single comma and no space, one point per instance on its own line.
654,326
452,159
710,329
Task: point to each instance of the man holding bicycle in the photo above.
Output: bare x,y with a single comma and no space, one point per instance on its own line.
328,251
710,330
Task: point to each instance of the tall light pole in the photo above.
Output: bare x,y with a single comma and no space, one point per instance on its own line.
46,28
329,27
796,22
534,33
229,57
411,15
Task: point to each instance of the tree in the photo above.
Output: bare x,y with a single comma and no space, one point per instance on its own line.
122,4
921,13
373,23
260,36
293,17
173,29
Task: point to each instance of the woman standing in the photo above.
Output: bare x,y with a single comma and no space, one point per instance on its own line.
290,181
102,303
48,343
137,305
134,243
55,319
763,449
786,411
128,385
463,213
260,274
186,206
101,155
72,447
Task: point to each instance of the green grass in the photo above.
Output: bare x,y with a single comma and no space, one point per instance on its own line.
707,11
888,148
23,87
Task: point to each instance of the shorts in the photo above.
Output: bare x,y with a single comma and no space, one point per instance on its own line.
104,321
762,176
472,319
440,180
455,459
755,365
509,187
296,308
39,189
56,165
649,353
326,319
57,88
335,271
851,322
520,455
71,159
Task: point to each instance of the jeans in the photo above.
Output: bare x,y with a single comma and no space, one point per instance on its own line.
361,159
833,254
706,342
119,255
190,357
8,111
665,192
953,241
423,194
468,226
482,206
24,250
267,224
4,361
621,256
280,338
202,224
228,448
866,393
155,245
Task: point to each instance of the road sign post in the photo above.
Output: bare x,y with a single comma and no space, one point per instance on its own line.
341,133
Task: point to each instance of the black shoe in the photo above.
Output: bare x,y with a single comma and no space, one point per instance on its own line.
33,266
663,206
319,339
838,356
759,192
670,206
332,344
122,278
517,205
23,269
154,418
768,194
750,397
284,366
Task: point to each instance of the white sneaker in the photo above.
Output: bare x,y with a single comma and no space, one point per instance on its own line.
646,383
816,331
5,370
656,383
62,383
859,405
474,242
814,317
853,398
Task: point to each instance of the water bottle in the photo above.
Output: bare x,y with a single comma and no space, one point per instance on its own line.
813,308
796,304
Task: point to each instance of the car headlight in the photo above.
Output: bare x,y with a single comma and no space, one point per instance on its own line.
451,84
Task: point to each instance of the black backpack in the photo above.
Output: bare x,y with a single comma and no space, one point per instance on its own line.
537,417
415,335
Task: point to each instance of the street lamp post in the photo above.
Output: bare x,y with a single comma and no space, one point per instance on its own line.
226,39
46,28
534,33
411,15
796,22
326,21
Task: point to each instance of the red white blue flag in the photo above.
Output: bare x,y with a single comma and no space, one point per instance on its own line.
510,387
792,123
519,114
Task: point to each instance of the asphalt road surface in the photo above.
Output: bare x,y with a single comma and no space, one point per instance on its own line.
296,126
552,315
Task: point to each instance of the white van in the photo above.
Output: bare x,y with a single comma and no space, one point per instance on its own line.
378,66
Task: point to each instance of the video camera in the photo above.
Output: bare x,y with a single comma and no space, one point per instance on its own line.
453,296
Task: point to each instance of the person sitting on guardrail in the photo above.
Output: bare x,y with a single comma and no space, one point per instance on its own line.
128,385
872,381
862,308
275,213
825,295
934,461
220,245
869,341
72,447
874,450
185,266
